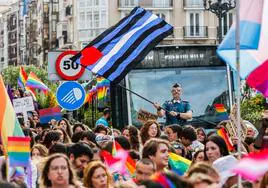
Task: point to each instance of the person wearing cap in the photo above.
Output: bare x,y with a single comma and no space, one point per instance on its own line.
104,120
177,111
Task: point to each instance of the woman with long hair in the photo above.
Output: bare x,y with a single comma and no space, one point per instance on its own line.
215,147
65,124
63,135
57,172
150,129
132,134
96,175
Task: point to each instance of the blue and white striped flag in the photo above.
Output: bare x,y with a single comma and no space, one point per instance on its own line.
121,47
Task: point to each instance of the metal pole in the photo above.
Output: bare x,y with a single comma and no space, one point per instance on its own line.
238,82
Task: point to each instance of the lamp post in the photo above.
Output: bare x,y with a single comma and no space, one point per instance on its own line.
220,9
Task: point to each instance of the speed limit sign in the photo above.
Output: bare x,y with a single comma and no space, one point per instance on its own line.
66,68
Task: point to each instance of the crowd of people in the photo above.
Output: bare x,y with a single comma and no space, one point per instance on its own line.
66,155
69,155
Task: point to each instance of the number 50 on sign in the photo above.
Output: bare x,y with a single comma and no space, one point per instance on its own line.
66,68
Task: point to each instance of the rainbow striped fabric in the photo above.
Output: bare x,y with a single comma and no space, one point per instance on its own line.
34,82
22,78
9,124
18,149
163,180
102,87
253,44
178,164
222,133
130,164
221,112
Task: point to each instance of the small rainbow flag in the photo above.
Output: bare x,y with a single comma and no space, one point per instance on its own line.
9,124
102,92
178,164
89,96
22,78
222,133
130,163
18,150
102,82
34,82
221,112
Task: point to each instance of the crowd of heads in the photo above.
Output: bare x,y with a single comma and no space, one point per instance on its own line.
68,155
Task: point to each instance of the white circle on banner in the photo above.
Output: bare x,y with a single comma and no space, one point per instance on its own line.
66,68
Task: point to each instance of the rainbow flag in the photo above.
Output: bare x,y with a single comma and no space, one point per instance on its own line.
253,44
102,93
9,124
90,95
130,164
22,78
18,149
34,82
221,112
178,163
222,133
163,180
102,82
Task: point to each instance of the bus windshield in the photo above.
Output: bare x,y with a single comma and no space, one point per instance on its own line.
202,87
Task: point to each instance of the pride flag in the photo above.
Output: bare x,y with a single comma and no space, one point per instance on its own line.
34,82
121,47
253,44
253,166
163,180
130,164
222,133
22,78
9,124
221,112
18,149
178,164
50,113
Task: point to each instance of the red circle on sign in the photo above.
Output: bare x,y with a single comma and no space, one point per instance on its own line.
61,73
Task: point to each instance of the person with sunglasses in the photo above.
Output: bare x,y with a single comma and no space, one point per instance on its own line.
177,111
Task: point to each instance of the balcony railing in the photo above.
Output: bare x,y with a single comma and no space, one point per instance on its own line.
145,3
195,31
193,4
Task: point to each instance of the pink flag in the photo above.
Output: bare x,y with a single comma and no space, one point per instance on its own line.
253,45
253,166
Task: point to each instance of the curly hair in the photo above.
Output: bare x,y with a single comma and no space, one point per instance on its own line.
145,128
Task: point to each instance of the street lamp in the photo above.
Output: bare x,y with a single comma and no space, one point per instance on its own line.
220,9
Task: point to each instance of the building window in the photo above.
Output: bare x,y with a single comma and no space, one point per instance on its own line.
227,22
96,19
82,20
194,24
92,18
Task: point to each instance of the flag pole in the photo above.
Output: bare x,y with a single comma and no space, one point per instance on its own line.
237,35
